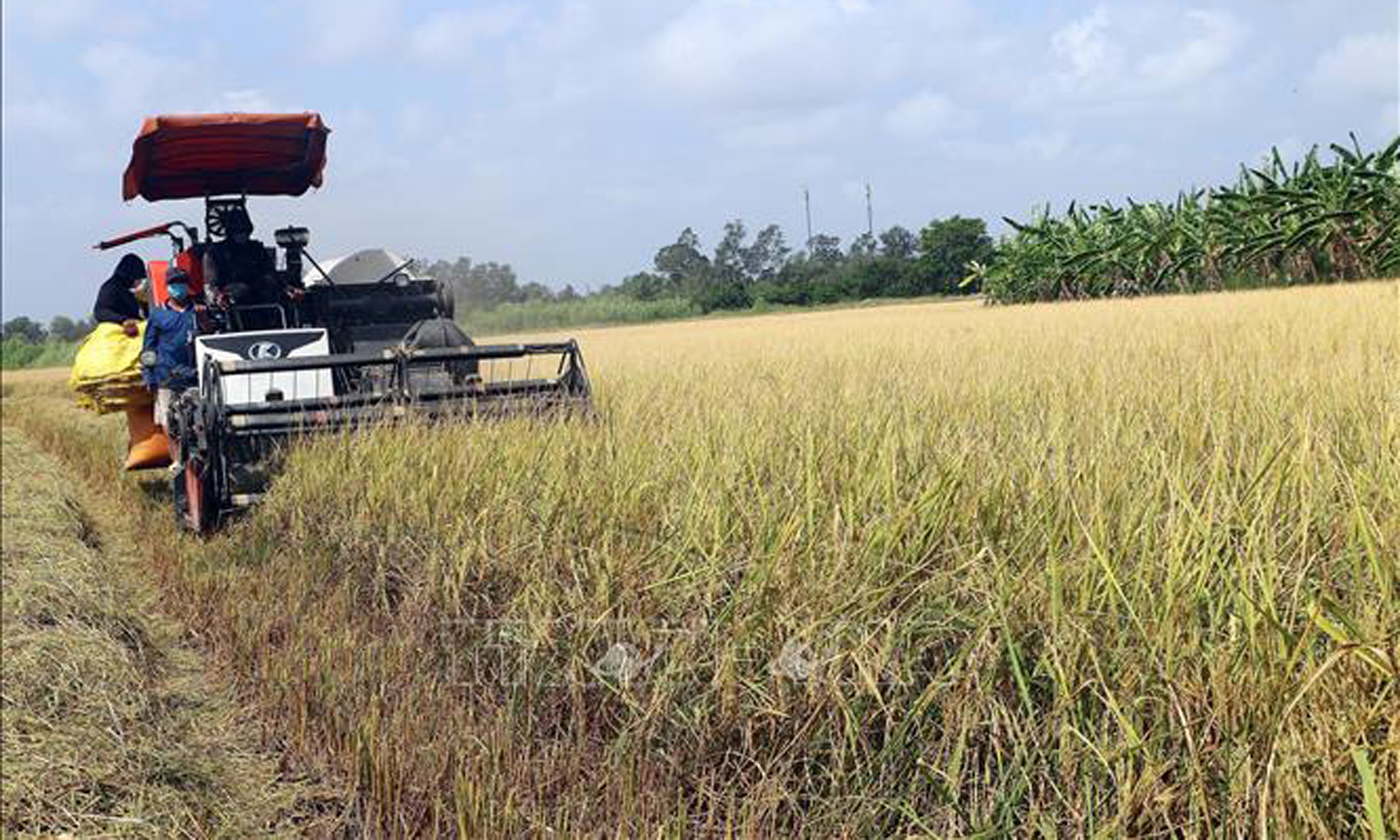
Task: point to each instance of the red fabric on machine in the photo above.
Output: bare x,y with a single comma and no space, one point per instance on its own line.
226,154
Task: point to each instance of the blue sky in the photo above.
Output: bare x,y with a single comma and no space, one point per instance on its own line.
572,138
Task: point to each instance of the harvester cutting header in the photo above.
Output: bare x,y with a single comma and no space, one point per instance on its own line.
285,345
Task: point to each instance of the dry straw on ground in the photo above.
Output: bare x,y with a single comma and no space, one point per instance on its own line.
109,725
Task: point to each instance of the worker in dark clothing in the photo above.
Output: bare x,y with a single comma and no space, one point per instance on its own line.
116,299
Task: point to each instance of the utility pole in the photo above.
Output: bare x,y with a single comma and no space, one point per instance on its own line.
807,202
869,212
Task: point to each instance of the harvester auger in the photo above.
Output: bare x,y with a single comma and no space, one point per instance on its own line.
284,352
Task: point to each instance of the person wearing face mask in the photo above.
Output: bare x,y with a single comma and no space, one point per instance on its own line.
118,299
167,355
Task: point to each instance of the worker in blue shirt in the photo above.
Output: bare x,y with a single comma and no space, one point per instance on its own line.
168,349
167,364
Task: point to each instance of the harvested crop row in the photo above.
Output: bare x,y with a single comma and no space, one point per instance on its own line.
108,725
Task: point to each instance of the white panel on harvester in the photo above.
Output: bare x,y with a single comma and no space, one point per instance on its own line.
269,345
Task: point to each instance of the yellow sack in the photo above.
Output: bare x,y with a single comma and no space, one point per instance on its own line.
107,352
106,373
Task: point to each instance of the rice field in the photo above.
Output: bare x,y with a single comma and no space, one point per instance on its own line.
1102,568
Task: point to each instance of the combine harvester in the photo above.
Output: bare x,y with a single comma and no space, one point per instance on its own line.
288,348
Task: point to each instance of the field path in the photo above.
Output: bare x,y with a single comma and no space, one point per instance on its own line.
113,722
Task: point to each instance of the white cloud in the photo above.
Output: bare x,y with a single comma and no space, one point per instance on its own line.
925,115
129,76
47,117
454,33
1037,147
742,55
56,18
1087,46
338,31
1359,65
1175,52
250,100
737,55
1043,146
60,14
185,10
787,131
1217,38
801,75
415,121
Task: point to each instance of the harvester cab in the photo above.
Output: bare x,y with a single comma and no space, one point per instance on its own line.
288,346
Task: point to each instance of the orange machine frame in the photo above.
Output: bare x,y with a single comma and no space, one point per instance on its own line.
187,261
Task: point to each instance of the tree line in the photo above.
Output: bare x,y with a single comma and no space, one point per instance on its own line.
1305,222
742,270
481,287
25,342
60,328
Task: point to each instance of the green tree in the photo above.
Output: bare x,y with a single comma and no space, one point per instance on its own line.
765,257
881,276
862,246
722,293
644,285
534,291
946,247
63,328
825,249
22,329
898,243
682,262
729,253
483,286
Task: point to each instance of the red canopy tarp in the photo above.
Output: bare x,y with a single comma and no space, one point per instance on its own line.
195,155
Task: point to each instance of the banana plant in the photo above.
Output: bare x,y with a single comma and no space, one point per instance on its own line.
1307,222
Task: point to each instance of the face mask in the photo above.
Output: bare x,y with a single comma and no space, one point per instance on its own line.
178,292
